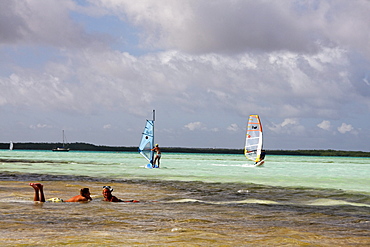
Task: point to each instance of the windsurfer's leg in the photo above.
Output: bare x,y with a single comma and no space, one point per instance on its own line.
39,192
155,160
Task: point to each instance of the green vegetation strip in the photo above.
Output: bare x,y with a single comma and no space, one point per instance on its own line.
78,146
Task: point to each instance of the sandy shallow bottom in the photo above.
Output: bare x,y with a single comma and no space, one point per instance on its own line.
164,217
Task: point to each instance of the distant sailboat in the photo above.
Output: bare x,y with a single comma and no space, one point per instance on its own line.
63,148
254,141
147,142
11,146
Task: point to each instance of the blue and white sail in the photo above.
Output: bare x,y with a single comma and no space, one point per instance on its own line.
147,141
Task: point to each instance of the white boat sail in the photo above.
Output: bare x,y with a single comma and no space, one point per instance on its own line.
63,148
147,142
254,141
11,146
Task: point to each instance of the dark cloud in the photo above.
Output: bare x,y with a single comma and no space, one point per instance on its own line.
12,27
246,25
42,23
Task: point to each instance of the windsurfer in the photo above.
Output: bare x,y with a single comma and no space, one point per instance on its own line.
263,154
262,157
84,195
157,156
108,197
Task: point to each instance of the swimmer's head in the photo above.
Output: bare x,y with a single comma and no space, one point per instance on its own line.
84,191
108,188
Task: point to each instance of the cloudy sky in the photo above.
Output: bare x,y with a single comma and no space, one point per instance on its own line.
97,69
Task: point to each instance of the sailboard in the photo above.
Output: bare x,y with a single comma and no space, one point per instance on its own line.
254,141
11,146
147,142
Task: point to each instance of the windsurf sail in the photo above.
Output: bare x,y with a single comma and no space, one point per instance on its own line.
11,146
147,141
253,140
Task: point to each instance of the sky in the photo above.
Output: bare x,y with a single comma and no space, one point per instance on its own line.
97,68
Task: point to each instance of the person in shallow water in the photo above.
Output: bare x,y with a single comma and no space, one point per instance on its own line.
158,155
107,193
263,154
84,195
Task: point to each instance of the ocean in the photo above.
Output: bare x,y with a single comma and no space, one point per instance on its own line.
192,200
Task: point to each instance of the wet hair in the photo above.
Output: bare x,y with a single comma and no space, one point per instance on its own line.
84,191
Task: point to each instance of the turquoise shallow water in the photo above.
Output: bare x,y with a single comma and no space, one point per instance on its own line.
192,200
348,174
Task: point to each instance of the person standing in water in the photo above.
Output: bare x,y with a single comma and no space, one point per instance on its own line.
157,156
263,154
84,195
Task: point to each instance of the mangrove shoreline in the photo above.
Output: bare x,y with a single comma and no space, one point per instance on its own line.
79,146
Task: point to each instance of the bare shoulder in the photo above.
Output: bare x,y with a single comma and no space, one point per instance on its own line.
115,199
77,198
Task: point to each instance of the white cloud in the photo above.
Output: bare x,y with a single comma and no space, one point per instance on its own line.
289,121
325,125
290,126
194,126
40,126
233,127
366,81
107,126
115,80
200,126
345,128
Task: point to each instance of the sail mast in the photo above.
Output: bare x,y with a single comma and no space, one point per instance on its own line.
152,152
63,137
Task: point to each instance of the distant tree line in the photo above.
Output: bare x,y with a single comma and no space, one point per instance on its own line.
328,152
79,146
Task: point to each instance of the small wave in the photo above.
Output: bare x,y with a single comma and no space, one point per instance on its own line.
247,201
243,191
184,201
238,165
252,201
248,165
12,200
318,202
178,229
330,202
